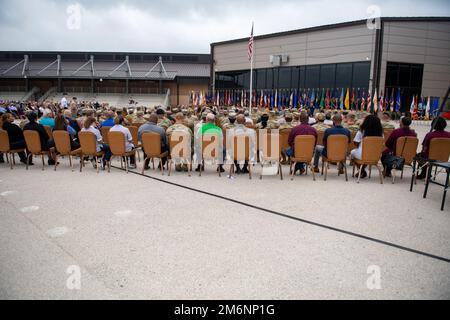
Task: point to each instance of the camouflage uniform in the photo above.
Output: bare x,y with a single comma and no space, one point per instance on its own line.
164,123
388,125
320,126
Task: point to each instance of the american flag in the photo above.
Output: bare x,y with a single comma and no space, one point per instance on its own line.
250,46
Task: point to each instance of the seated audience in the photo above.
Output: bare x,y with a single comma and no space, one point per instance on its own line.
152,126
439,125
303,129
371,127
391,143
15,135
89,125
338,129
46,143
61,124
129,146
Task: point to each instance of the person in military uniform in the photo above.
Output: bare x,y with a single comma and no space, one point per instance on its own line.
288,117
386,121
351,123
273,123
231,124
180,126
163,121
264,122
320,126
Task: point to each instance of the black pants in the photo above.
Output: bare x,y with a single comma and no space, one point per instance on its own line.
163,160
19,145
238,167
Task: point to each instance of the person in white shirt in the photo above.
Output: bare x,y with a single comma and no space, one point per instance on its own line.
129,146
89,126
371,127
241,130
64,103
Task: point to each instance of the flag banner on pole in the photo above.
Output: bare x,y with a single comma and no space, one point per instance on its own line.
398,102
250,45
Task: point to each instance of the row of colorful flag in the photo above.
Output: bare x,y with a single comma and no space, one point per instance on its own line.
343,98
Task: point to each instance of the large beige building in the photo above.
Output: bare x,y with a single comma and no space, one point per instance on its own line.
407,54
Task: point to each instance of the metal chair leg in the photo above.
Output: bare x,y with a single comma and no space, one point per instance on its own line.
43,162
380,170
345,170
326,172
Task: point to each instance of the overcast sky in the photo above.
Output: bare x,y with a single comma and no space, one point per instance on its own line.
175,25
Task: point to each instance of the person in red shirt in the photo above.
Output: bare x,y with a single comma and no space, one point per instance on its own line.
391,143
439,125
304,129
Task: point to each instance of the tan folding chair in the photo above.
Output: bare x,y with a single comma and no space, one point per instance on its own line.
104,131
304,153
34,147
49,131
284,138
238,142
267,152
117,145
137,145
182,154
372,150
337,146
88,142
320,135
207,141
151,143
351,145
63,148
407,149
5,148
439,151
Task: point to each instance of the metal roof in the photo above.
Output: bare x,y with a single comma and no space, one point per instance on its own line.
104,65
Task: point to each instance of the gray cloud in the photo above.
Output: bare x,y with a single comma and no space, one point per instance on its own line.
176,26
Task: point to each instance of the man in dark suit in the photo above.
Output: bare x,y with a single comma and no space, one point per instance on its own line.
15,135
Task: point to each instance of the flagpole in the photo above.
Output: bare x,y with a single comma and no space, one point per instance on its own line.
251,74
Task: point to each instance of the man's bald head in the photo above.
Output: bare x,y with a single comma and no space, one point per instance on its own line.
241,119
210,118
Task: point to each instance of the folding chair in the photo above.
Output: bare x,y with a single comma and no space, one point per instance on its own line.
5,148
88,142
63,148
337,146
372,150
151,143
34,147
117,144
304,153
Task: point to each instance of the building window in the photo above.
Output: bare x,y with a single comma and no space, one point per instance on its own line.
284,78
327,76
344,75
312,77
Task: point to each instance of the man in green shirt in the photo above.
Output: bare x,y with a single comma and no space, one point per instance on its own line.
209,128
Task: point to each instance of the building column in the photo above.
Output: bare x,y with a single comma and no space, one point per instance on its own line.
127,86
92,86
178,92
59,87
160,87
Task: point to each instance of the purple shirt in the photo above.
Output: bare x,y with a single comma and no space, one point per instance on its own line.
303,129
391,143
431,136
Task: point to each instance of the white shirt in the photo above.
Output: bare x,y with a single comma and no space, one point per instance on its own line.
64,102
98,136
241,130
128,137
